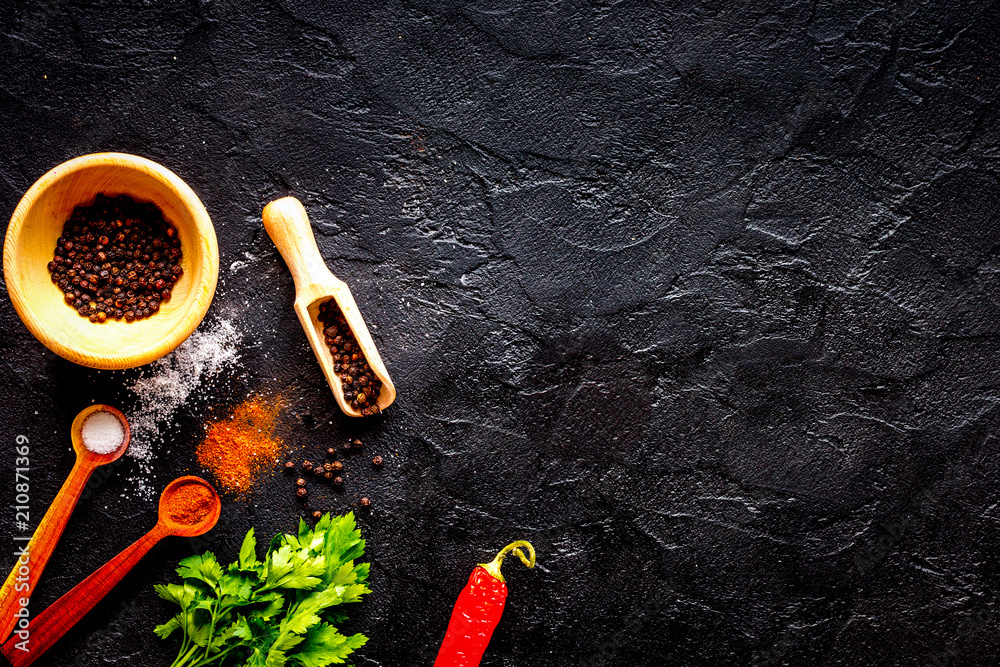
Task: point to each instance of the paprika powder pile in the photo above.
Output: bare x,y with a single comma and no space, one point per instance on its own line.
237,449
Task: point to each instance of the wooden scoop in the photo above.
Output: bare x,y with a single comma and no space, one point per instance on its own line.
288,226
50,529
49,626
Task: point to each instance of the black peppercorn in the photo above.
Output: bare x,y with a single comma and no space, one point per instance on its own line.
289,465
338,481
328,475
336,466
301,492
365,502
307,465
327,467
378,460
300,482
330,451
317,514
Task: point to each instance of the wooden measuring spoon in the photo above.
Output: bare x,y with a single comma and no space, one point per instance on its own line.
50,625
288,226
50,529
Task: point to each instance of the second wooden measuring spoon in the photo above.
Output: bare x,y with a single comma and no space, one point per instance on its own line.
189,506
28,570
288,226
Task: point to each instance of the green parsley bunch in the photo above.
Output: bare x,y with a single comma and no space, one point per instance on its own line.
275,612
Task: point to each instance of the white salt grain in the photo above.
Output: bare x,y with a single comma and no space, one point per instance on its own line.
102,432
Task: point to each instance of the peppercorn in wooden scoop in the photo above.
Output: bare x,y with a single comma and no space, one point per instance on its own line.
330,317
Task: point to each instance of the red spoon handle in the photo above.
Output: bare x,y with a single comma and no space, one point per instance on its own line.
22,579
49,626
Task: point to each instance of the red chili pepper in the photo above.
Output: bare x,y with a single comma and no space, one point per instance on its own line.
478,610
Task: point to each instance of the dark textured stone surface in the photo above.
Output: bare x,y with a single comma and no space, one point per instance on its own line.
700,298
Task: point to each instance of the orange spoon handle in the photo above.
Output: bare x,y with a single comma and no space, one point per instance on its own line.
20,584
50,625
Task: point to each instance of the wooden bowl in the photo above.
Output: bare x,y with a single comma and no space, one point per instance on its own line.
31,241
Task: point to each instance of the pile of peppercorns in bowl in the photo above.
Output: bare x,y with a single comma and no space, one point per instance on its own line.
116,259
330,470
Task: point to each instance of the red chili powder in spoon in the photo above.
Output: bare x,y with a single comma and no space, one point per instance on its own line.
237,449
190,504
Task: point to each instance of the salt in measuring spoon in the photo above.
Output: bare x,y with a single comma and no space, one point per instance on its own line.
48,627
39,548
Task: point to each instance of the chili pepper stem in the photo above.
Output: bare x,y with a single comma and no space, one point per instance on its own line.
493,567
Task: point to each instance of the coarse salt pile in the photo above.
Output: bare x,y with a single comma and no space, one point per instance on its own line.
174,378
166,386
102,432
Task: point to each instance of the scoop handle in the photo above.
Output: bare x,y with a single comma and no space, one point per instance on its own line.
49,626
287,223
41,546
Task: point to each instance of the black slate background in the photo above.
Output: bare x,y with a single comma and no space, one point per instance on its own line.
701,298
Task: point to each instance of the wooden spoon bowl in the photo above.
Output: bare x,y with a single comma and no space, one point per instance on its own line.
76,436
169,508
31,241
288,226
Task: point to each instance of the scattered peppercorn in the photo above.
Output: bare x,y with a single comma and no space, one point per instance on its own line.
327,467
338,480
365,502
336,466
331,451
307,465
301,492
317,514
300,482
356,444
378,460
328,475
360,384
289,465
116,258
346,447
